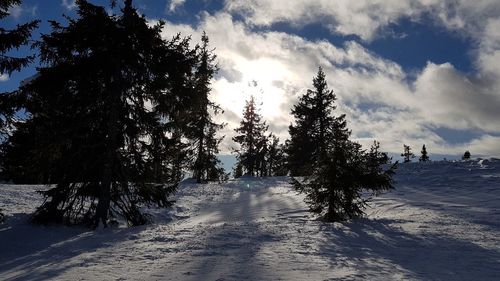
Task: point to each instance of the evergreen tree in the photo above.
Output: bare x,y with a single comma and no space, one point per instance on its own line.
276,158
238,170
280,165
9,40
424,157
206,165
340,169
314,126
251,138
107,111
262,153
466,155
407,154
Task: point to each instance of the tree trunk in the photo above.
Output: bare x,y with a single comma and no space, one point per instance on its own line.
104,202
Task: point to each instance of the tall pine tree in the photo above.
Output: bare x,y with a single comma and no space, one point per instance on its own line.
107,111
251,138
339,169
314,126
10,40
206,166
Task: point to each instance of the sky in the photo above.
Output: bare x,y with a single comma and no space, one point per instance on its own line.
404,71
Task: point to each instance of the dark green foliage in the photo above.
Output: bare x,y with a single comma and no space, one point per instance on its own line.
340,170
252,141
314,127
424,157
203,130
10,40
107,111
276,158
238,170
466,155
407,154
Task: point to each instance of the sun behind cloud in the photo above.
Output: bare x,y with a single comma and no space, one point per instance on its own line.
259,78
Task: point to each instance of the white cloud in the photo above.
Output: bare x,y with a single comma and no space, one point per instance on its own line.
362,17
69,4
4,77
174,4
399,111
283,66
486,145
367,18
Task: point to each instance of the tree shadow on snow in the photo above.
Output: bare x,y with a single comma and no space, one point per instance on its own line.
33,252
377,250
230,246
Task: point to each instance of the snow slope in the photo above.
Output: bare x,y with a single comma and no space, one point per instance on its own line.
442,222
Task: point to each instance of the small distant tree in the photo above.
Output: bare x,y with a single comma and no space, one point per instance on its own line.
424,157
407,154
252,140
276,157
238,170
466,155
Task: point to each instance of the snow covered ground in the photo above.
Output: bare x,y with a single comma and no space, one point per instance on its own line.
442,222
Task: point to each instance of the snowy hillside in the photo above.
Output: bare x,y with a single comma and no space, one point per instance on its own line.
442,222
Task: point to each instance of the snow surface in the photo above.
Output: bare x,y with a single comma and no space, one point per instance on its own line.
442,222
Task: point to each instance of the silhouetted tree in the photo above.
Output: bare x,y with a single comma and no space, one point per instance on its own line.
313,126
276,157
407,154
9,40
424,157
251,138
107,115
340,170
261,165
466,155
280,163
238,170
206,165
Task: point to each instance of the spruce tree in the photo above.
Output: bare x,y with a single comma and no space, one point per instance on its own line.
340,169
106,109
251,138
10,40
424,157
238,170
313,126
261,158
276,157
407,154
206,166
